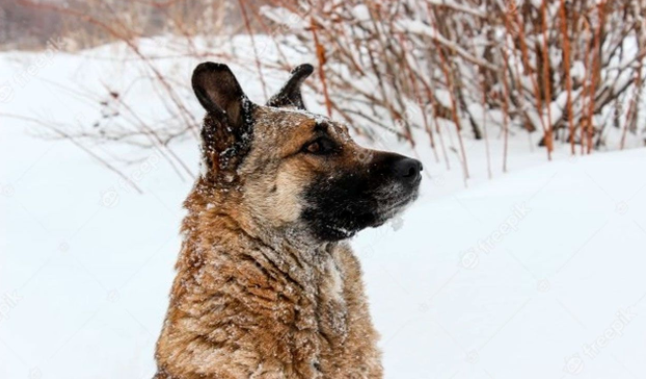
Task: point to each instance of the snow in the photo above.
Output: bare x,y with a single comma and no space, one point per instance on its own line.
361,13
538,273
512,278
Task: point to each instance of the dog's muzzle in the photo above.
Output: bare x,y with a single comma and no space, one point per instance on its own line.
337,207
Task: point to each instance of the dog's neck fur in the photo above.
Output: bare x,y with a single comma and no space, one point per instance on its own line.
224,248
210,225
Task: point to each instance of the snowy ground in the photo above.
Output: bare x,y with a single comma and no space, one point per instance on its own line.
538,273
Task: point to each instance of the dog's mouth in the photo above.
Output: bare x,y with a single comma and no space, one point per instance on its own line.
333,216
390,210
367,196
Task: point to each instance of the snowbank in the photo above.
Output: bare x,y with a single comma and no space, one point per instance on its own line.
538,273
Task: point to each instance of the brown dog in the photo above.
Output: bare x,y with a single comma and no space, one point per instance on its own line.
266,285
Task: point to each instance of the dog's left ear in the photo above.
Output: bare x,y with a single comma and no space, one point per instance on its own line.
290,94
218,91
227,129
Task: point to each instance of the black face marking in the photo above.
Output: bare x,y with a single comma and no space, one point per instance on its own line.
338,207
321,128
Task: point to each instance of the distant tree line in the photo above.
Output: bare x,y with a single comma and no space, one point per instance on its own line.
30,24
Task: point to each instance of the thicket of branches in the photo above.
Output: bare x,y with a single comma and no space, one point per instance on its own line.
564,69
569,72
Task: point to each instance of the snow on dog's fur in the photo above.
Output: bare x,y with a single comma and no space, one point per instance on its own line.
266,286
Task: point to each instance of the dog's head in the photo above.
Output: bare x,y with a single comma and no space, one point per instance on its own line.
294,170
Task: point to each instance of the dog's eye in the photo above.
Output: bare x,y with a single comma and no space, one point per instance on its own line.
320,146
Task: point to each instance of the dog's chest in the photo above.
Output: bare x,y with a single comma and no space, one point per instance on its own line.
323,309
332,310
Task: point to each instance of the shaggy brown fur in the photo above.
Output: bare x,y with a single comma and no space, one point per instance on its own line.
262,290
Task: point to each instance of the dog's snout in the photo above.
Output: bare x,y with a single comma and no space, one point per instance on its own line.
397,167
407,169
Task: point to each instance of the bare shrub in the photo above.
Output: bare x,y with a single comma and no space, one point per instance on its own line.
568,72
561,68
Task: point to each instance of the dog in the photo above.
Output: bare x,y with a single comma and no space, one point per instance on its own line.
267,285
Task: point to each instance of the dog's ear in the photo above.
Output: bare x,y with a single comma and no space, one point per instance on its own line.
218,91
227,128
290,94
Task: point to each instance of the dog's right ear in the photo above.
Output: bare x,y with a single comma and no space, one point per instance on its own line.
290,94
218,91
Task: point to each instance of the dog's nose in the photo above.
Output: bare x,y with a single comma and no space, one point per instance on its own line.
407,169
